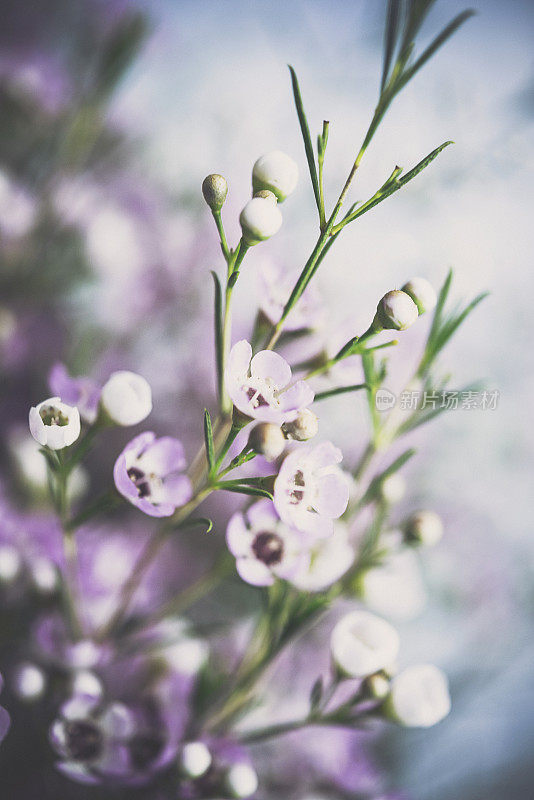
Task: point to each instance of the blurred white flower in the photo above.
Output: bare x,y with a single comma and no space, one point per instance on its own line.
18,209
127,398
395,588
393,488
195,759
423,527
276,172
330,560
363,643
419,696
54,424
260,219
31,466
242,780
29,682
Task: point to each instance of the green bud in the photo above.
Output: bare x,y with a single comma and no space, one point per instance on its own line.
215,189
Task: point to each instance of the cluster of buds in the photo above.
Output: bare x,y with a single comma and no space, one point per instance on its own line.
274,178
399,308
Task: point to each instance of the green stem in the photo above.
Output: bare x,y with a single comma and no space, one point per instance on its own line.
234,262
222,236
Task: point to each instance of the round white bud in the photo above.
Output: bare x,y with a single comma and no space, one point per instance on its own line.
260,219
44,575
362,644
267,440
195,759
29,682
396,311
419,697
376,686
276,172
393,488
422,293
127,398
242,780
423,527
215,189
54,424
303,427
10,563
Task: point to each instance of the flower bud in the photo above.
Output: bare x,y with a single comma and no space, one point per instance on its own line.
362,644
419,697
392,488
195,759
422,293
376,686
29,682
423,527
127,398
215,189
277,172
267,440
396,311
267,195
54,424
303,427
11,564
260,219
242,780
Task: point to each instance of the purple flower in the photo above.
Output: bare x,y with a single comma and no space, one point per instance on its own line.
310,490
259,386
276,286
80,392
265,547
148,474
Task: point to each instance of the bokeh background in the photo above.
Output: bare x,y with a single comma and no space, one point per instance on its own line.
122,276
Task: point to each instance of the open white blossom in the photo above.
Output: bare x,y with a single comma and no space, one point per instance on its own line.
54,424
363,643
419,696
127,398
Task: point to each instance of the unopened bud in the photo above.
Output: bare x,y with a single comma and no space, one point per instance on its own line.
195,759
303,427
392,488
267,440
376,686
423,527
267,195
29,682
259,220
422,293
396,311
277,172
215,189
242,780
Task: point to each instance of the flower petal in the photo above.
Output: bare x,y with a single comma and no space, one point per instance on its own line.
271,366
239,359
262,515
332,494
177,490
238,536
324,455
163,456
254,572
298,396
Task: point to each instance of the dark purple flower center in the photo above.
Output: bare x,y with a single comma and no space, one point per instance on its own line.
268,547
140,481
53,416
297,493
84,740
256,397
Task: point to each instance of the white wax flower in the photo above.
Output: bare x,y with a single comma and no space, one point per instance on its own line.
419,696
393,488
127,398
395,588
260,219
422,293
424,527
54,424
304,427
396,311
363,643
276,172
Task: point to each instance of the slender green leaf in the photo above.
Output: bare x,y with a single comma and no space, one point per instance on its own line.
218,323
308,147
197,522
208,439
253,491
340,390
390,38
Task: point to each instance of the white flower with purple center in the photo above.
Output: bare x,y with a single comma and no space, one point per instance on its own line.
265,547
148,473
80,392
311,490
260,387
54,424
